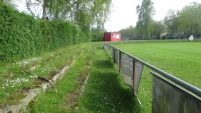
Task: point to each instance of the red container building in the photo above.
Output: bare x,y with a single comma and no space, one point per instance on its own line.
112,36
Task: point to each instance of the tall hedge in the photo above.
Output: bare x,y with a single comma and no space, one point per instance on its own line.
22,36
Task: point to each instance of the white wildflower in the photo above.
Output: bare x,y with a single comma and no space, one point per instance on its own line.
25,62
15,82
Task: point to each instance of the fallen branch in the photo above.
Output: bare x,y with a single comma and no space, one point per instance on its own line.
42,78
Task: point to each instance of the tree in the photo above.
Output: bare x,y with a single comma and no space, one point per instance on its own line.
92,13
97,34
171,20
187,21
157,28
10,3
56,9
129,32
190,19
145,13
86,13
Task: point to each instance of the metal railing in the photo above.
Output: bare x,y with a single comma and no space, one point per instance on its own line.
170,94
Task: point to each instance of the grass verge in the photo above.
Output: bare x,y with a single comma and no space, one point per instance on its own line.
105,91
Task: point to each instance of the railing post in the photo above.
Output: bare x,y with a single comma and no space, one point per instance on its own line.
120,62
114,55
134,78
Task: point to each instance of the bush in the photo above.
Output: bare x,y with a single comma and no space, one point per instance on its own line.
23,36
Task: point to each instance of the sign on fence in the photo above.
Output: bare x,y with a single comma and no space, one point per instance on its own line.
131,71
126,69
138,68
170,98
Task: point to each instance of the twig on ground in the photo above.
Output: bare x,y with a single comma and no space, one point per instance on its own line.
42,78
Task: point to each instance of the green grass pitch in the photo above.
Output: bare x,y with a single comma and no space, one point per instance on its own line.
181,59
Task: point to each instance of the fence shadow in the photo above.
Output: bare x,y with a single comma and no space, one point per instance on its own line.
108,91
103,64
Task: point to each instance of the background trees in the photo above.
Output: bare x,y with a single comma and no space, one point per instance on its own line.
187,21
175,24
190,19
90,16
129,33
171,20
86,14
157,28
145,12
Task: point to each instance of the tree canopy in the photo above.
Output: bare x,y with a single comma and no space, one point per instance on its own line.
145,12
87,14
187,21
176,23
190,19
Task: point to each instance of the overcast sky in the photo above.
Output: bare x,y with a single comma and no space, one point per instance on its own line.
123,12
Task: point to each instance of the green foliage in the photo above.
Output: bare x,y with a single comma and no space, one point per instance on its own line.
23,36
172,22
86,13
157,28
187,21
97,34
91,14
130,32
145,12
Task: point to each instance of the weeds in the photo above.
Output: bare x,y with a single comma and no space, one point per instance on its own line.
13,78
104,91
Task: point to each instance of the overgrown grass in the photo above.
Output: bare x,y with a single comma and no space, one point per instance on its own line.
104,92
181,59
13,79
52,102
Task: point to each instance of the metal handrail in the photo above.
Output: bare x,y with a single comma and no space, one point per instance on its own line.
171,77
